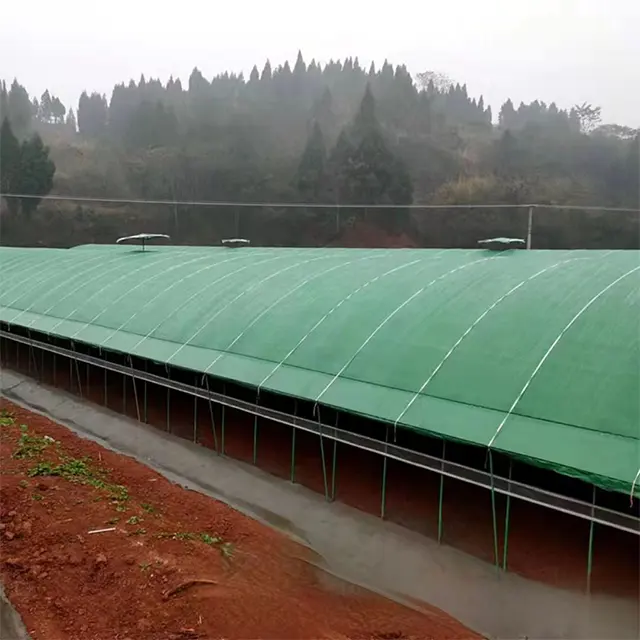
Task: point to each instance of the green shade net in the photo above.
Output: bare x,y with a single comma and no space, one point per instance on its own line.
535,353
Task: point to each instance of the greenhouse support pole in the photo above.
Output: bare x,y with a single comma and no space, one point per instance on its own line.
441,493
333,464
146,368
493,513
135,388
224,393
211,415
195,413
592,525
323,459
105,388
168,401
385,459
77,370
293,444
506,521
124,395
54,368
255,432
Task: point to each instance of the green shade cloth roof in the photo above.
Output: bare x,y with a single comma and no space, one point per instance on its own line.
534,353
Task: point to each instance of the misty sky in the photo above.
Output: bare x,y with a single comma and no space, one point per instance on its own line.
567,51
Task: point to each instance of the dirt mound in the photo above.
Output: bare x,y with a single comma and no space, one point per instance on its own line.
96,546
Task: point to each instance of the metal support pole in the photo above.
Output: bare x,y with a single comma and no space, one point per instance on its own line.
168,401
322,457
213,420
55,364
135,389
70,374
77,370
333,464
195,414
506,522
146,367
529,227
383,503
224,390
124,395
592,525
255,432
493,513
105,388
293,444
441,493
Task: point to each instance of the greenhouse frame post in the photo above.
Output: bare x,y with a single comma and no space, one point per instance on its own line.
195,413
222,421
135,388
441,493
592,525
146,370
506,522
493,513
168,401
255,432
324,459
293,444
385,459
212,416
54,368
333,463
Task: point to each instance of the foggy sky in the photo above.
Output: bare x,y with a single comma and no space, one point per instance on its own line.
567,51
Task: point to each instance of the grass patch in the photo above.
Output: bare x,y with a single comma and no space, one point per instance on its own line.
225,548
6,418
77,470
134,520
30,446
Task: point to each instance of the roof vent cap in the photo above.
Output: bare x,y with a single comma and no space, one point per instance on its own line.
142,238
234,243
502,244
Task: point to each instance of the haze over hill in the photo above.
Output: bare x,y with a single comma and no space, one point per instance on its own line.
345,131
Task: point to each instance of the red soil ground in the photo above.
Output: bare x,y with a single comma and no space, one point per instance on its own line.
133,582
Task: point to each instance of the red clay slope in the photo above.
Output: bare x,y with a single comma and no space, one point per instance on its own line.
173,564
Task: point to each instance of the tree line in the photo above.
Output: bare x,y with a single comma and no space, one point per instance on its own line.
334,133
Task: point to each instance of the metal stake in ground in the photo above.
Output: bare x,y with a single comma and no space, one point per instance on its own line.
383,504
293,443
441,493
211,415
506,521
493,513
592,525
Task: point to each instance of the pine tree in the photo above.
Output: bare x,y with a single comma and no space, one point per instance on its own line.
70,122
311,174
19,109
36,172
9,159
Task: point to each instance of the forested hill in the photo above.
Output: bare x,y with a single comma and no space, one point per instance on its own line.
336,133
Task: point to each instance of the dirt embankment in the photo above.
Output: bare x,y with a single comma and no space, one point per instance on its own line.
98,546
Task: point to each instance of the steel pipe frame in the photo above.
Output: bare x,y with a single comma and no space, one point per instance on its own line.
508,487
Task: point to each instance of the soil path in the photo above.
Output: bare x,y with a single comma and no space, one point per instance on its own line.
97,546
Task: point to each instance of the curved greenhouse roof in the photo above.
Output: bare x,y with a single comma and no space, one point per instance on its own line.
534,353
